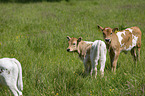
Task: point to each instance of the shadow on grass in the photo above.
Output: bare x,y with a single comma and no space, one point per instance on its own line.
80,73
107,68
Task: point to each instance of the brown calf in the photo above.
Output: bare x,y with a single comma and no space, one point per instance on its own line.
118,41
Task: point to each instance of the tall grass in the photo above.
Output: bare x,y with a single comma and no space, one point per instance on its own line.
35,34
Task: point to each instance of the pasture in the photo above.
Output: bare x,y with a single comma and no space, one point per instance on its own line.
35,34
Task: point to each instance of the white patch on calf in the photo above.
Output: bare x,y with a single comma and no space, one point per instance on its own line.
120,37
106,28
130,30
88,42
134,41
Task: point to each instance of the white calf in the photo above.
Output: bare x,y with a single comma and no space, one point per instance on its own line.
90,53
98,52
11,75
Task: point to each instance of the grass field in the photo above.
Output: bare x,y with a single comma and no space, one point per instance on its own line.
35,34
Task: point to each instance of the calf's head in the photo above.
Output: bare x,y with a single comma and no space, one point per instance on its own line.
73,43
107,33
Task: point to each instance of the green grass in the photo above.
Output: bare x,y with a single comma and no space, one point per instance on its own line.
35,34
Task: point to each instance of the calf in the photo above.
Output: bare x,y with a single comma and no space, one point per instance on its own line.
90,53
11,75
118,41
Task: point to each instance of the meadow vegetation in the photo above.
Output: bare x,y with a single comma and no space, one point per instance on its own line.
35,34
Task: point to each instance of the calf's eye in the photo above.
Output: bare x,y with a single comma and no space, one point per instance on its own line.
74,43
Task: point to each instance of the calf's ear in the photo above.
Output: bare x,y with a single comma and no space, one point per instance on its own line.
100,28
80,38
68,38
115,30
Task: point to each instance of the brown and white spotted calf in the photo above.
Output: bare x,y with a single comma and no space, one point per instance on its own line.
90,53
118,41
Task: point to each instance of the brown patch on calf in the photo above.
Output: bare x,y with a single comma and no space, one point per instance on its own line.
137,32
83,48
127,39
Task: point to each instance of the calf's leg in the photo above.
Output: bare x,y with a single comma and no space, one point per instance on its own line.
138,53
114,63
133,53
112,55
86,64
94,61
102,61
15,90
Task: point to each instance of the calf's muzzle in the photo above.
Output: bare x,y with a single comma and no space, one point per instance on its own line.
107,40
68,49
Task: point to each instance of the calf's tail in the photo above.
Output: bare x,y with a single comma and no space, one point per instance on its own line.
98,48
20,82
